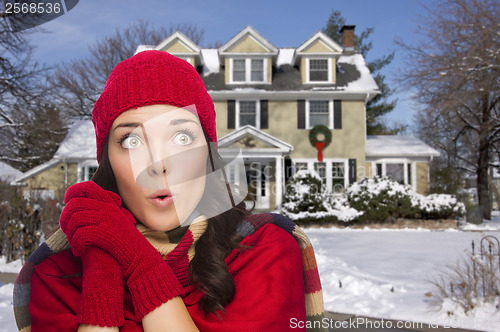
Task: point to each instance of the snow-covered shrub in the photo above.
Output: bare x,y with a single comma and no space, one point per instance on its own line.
467,285
380,198
304,193
305,199
21,223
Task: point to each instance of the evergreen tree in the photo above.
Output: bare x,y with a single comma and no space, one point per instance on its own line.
380,105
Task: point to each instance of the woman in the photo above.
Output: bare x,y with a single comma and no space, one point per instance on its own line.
158,240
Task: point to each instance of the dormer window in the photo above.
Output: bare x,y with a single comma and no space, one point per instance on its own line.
248,70
318,71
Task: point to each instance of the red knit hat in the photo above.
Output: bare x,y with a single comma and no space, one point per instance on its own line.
149,78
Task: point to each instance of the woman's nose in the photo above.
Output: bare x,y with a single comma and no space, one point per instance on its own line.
158,168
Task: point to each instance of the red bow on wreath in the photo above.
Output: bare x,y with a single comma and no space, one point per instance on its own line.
320,144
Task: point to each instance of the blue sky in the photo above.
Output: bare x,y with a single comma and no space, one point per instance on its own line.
283,23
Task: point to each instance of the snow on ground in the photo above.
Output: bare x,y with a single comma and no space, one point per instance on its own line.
383,273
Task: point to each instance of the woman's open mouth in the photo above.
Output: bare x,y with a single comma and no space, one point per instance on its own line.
162,198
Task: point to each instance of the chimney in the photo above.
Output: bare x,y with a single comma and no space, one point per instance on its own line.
347,35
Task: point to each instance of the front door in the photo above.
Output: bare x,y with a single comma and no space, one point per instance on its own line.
257,173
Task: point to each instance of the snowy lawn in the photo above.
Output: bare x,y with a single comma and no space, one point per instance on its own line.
383,273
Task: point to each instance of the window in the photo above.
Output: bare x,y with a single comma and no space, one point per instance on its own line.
318,70
87,172
338,178
239,71
400,171
319,113
300,166
331,171
248,70
248,113
257,70
395,172
320,168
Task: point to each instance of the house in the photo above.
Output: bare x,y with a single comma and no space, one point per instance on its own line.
272,104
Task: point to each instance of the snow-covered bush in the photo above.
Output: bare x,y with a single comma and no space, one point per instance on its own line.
305,199
21,223
381,198
371,199
472,282
304,193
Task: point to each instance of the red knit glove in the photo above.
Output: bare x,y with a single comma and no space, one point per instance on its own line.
101,301
94,217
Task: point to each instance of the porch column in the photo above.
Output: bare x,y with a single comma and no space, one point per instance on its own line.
279,180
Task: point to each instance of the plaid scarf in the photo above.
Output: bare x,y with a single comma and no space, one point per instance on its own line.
179,245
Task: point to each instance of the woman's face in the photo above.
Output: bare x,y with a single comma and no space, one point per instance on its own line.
158,154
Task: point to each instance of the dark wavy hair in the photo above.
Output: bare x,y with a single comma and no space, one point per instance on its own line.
208,269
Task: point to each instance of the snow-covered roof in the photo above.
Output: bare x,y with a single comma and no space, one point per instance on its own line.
397,146
79,143
141,48
365,81
210,59
285,56
8,172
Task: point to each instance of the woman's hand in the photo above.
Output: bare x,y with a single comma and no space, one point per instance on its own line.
94,217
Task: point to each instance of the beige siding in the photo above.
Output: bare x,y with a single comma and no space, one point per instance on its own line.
269,70
317,47
178,47
221,118
247,45
422,178
368,170
53,179
227,67
303,70
348,142
334,71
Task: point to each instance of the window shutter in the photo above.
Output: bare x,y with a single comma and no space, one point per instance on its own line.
337,114
231,114
301,114
352,171
264,106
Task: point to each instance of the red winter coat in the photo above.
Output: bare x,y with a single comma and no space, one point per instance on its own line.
268,279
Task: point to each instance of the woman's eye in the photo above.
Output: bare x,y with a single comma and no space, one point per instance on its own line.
131,142
183,139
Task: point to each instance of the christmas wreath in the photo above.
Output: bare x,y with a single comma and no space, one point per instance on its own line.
320,129
320,144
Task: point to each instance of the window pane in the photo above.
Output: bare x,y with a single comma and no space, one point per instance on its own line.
248,113
300,166
318,113
395,172
257,64
379,169
257,70
239,70
338,172
92,171
318,70
318,64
